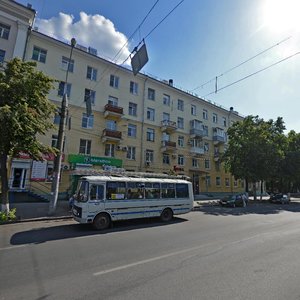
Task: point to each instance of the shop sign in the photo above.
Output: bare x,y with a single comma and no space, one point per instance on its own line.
45,156
38,171
94,160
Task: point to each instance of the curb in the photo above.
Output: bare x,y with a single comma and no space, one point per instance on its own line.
36,219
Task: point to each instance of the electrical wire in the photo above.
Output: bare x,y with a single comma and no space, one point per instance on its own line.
252,74
242,63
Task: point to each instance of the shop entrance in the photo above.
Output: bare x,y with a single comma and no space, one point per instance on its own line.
18,178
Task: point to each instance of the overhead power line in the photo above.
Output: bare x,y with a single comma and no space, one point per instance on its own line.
252,74
240,64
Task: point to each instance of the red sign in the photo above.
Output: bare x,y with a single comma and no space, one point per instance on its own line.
45,156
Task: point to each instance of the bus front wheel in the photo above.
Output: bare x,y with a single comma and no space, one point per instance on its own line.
166,215
101,221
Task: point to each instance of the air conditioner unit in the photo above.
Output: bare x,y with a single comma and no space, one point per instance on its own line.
119,148
65,167
147,163
124,148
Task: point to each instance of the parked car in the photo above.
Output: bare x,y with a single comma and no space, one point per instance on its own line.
279,199
235,200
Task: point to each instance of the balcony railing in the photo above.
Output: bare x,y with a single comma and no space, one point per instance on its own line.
198,133
219,138
111,135
197,151
113,111
168,126
167,146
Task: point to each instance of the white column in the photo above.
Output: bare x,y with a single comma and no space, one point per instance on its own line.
20,40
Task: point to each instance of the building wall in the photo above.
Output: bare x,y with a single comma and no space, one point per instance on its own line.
18,19
204,176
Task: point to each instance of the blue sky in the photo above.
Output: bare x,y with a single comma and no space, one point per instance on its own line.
197,42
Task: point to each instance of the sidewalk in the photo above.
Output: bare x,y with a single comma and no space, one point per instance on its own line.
39,211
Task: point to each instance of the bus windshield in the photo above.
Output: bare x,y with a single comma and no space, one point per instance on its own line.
82,192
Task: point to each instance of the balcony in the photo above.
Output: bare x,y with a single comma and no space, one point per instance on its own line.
169,147
112,111
217,156
219,139
109,135
198,133
197,151
168,126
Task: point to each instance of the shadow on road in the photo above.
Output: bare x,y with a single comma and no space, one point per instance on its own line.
258,207
46,234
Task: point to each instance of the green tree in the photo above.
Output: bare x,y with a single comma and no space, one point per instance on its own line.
24,114
254,149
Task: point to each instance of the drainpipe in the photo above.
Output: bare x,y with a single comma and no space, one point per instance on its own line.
142,156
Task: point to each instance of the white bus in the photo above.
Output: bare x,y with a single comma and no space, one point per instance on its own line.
102,199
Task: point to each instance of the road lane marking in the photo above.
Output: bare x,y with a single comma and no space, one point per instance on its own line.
149,260
12,247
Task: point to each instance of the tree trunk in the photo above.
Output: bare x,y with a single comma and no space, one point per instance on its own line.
261,189
254,191
4,183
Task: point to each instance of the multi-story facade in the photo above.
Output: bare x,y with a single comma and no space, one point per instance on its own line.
15,20
137,123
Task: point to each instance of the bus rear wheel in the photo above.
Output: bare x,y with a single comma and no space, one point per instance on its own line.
166,215
101,221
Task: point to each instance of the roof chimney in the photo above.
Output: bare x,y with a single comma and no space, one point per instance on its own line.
170,82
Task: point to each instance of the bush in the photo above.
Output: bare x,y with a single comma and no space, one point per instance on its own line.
6,216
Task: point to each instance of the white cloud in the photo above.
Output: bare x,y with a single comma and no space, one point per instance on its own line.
90,30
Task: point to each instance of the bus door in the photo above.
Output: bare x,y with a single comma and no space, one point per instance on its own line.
96,198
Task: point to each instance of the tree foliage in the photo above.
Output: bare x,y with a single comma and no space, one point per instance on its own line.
255,148
24,113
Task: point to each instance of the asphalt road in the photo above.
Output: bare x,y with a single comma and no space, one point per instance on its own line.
212,253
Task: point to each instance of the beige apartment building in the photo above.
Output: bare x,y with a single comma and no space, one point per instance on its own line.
136,123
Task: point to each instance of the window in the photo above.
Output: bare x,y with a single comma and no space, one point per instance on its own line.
110,150
57,116
224,121
208,181
166,99
150,114
149,156
168,190
114,81
115,190
218,165
97,192
218,181
215,118
206,147
131,130
206,164
85,147
182,190
112,101
180,160
91,73
2,55
180,123
180,105
61,89
132,109
227,182
54,141
130,153
89,95
195,163
181,141
111,125
151,94
150,134
67,64
4,31
193,110
166,117
39,54
87,121
133,88
166,158
235,183
205,114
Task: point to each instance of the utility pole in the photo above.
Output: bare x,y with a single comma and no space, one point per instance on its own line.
60,140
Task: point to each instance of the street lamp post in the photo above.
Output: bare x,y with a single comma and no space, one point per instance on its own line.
60,140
